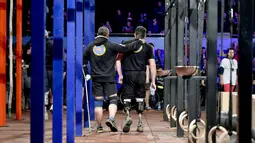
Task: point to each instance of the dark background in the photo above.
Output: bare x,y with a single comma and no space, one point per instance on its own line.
107,9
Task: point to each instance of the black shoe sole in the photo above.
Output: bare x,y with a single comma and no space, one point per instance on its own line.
126,127
111,126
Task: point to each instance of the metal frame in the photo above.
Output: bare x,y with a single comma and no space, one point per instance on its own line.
211,87
180,58
173,50
167,51
245,70
194,91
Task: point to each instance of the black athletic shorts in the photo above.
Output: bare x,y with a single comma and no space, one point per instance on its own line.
134,84
104,88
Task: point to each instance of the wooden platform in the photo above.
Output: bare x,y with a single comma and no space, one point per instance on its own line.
155,131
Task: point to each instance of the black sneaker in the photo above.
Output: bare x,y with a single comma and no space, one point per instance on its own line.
112,125
128,123
100,129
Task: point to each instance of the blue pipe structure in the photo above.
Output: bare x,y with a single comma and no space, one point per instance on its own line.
80,18
38,71
89,32
78,71
57,88
70,71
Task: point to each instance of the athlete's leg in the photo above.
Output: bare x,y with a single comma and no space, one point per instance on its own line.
128,94
140,92
99,98
111,91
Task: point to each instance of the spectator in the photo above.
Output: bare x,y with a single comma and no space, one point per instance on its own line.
142,20
128,28
119,22
159,14
107,24
154,27
158,59
129,18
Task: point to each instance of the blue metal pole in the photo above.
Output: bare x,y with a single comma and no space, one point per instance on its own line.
78,74
91,37
70,70
57,89
86,42
38,70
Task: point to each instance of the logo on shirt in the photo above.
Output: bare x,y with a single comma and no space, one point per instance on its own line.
99,50
139,50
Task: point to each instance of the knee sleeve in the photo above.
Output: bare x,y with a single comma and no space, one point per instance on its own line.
140,105
113,100
99,102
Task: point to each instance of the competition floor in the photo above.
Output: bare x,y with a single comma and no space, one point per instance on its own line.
155,131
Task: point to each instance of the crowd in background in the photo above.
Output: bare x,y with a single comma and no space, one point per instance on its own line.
125,20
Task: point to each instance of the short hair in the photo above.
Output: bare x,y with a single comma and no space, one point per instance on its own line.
140,32
103,31
151,44
231,49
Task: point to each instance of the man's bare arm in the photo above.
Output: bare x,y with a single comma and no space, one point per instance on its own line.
153,70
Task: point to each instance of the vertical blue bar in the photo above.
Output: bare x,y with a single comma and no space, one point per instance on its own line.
70,70
38,70
57,89
86,42
78,74
91,38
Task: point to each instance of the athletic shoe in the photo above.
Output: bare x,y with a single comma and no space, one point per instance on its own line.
128,123
100,129
148,108
112,125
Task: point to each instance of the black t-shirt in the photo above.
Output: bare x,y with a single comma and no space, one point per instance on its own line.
137,60
102,56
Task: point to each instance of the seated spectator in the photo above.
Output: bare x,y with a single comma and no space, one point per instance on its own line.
158,59
142,20
129,18
128,28
107,24
154,27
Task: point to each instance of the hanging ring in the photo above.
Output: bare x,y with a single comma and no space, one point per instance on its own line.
173,113
182,116
168,114
213,129
225,135
193,126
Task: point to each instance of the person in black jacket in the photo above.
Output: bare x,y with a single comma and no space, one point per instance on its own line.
102,55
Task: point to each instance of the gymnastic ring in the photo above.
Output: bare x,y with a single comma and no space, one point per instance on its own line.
193,126
213,129
182,116
173,113
224,135
168,114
